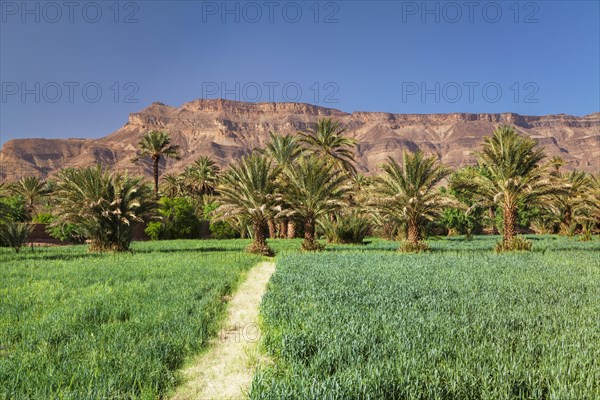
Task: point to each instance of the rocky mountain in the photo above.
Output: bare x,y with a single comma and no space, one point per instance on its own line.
226,130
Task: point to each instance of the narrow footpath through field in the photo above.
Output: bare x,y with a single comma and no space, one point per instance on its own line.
226,369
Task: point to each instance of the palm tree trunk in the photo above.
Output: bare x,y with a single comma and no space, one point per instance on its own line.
510,223
414,233
492,215
282,229
259,243
259,235
155,162
309,235
566,225
272,229
291,229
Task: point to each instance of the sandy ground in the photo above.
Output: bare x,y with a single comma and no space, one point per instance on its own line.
225,370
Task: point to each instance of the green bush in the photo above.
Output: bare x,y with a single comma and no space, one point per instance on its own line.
219,229
14,208
462,222
43,218
352,228
14,234
66,232
178,220
223,230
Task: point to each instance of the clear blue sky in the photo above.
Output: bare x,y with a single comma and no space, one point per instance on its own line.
394,56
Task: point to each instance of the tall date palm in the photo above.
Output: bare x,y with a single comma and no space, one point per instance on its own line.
407,191
156,145
514,177
248,189
32,189
314,188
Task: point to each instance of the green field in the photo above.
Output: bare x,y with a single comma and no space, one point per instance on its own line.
80,325
459,322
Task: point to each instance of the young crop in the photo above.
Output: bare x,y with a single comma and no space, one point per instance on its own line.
458,322
79,325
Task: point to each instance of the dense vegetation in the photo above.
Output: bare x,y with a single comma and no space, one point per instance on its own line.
77,325
458,322
308,185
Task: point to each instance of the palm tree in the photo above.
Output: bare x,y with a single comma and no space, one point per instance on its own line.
173,185
156,144
556,163
283,150
105,207
314,188
407,192
328,141
4,209
201,177
513,177
574,204
248,189
32,189
15,234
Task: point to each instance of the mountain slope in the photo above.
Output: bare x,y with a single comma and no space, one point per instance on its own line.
226,130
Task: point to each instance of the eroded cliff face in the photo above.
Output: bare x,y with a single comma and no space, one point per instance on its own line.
227,130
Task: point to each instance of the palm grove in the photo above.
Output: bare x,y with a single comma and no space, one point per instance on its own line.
306,185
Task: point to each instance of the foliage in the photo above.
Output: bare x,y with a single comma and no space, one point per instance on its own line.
14,234
103,206
32,190
76,325
201,177
407,191
462,222
412,247
156,145
327,141
518,243
66,232
43,218
248,190
511,176
314,189
13,209
350,228
177,220
283,149
218,229
456,323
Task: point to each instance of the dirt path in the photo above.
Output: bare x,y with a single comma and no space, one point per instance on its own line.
225,371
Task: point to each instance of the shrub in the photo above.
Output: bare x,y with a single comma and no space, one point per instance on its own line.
410,247
66,232
219,229
352,228
518,243
43,218
14,234
223,230
178,220
461,222
13,208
